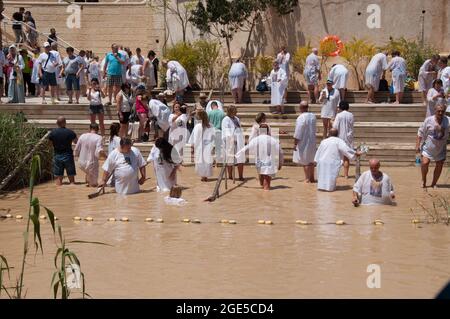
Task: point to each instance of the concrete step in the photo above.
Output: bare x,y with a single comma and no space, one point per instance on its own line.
297,96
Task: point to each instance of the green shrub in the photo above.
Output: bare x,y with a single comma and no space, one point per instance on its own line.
207,54
17,138
414,54
264,64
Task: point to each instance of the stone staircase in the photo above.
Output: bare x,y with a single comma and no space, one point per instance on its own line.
389,130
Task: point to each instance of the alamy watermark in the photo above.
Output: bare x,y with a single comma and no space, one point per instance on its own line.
374,279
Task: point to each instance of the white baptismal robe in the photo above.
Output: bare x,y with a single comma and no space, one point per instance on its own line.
375,69
329,158
203,141
237,75
283,60
374,192
339,75
233,140
126,169
305,133
278,82
344,122
88,150
266,152
162,169
177,75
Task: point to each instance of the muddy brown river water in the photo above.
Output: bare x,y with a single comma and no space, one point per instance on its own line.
245,260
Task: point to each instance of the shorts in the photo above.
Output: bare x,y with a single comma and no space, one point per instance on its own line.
126,118
114,80
64,161
96,109
72,82
48,79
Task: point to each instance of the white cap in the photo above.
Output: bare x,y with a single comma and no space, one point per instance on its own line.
12,46
46,44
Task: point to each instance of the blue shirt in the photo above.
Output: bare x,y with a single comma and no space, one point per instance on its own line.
114,67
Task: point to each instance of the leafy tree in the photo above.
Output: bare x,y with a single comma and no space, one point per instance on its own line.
264,65
223,19
356,52
208,53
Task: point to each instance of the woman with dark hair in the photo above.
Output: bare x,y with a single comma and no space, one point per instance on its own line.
259,119
166,162
114,138
202,139
124,103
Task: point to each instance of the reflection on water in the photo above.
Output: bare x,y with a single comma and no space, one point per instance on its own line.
206,260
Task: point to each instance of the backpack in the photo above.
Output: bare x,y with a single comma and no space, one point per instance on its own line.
262,86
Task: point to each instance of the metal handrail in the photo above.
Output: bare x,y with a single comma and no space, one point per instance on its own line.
41,33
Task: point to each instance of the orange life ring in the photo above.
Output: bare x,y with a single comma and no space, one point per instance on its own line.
337,41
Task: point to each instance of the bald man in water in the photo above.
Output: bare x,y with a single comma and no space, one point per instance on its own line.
373,187
62,139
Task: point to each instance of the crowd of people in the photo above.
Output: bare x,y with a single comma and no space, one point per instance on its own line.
218,138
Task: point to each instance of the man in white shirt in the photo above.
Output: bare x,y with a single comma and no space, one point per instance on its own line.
344,124
125,162
48,66
373,187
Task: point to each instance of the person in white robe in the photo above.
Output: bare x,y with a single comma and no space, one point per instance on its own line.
166,162
209,108
148,71
344,122
434,95
339,75
305,141
374,71
432,143
233,141
373,187
16,91
330,98
202,138
160,113
176,78
260,119
178,133
134,76
283,59
427,74
329,158
444,75
267,154
237,76
398,69
114,143
126,57
312,75
89,148
126,162
278,82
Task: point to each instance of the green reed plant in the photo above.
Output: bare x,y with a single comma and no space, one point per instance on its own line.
63,257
